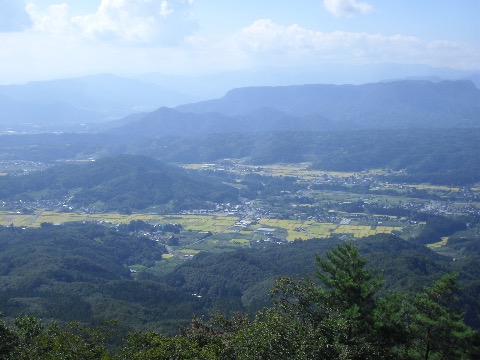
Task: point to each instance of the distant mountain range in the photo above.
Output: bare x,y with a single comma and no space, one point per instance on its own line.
379,105
81,104
15,112
388,105
82,100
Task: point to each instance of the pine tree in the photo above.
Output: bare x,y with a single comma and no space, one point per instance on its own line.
437,324
349,290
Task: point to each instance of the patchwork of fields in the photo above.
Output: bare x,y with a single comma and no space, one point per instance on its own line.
309,229
215,224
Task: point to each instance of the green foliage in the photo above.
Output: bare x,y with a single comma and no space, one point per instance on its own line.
80,272
346,317
8,340
343,317
348,284
350,290
29,339
438,325
153,346
438,226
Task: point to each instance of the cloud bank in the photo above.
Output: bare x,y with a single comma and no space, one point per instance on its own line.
147,22
138,36
268,40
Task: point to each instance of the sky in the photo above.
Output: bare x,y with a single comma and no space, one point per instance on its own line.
47,39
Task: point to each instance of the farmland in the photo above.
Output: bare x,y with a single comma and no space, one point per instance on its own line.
214,224
289,202
302,170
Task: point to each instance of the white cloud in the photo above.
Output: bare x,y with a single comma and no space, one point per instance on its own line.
13,16
347,8
265,40
55,20
163,22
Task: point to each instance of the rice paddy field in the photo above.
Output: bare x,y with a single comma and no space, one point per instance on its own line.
215,224
302,170
305,230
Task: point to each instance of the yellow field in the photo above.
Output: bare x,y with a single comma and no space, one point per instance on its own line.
439,244
214,223
309,229
7,219
324,230
433,187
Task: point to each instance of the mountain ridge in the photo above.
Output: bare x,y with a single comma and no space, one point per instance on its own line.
392,105
397,99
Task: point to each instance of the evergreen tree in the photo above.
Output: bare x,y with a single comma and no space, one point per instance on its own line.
437,324
349,290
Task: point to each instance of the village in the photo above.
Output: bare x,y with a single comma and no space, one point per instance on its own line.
323,205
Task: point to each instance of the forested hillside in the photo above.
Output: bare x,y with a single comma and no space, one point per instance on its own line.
121,183
44,271
81,272
341,313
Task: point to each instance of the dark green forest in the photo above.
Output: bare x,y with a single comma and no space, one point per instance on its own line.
45,270
340,311
81,272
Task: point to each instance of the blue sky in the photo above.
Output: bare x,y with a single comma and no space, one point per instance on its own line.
43,39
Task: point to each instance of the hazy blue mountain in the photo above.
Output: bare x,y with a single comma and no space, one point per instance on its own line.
475,78
169,122
111,95
380,105
14,112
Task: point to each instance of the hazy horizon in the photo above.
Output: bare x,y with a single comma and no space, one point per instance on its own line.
45,39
